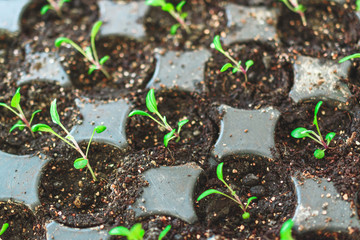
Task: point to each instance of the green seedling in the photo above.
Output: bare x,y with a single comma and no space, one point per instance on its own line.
235,198
90,52
285,231
175,12
16,109
54,5
236,66
136,232
294,6
152,107
303,132
357,5
69,139
356,55
4,228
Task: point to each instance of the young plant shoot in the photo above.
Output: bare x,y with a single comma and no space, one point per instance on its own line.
303,132
16,109
152,107
286,229
235,198
356,55
175,12
4,228
69,139
235,65
90,52
294,6
55,5
136,232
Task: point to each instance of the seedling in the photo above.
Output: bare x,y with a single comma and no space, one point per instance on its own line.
4,228
236,65
136,232
294,6
54,5
152,107
175,12
90,52
235,198
303,132
285,231
69,139
356,55
16,109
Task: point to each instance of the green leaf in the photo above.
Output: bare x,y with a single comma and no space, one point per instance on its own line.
95,29
285,231
4,228
219,172
138,112
54,113
168,137
180,6
80,163
250,200
356,55
246,215
155,3
41,128
184,15
318,105
92,68
235,70
137,232
319,153
168,7
15,101
62,40
217,43
33,115
300,8
330,136
104,59
88,52
248,64
19,124
151,101
225,67
174,28
164,232
120,231
357,5
44,9
182,122
62,2
100,128
300,133
208,192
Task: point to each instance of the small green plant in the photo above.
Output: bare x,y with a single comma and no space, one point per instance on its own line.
152,107
356,55
53,5
90,52
16,109
236,65
303,132
136,232
286,229
235,198
357,5
175,12
4,228
69,139
294,6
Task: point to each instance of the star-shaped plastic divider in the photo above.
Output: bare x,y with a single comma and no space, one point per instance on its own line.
58,231
123,19
320,207
111,114
183,71
10,14
319,79
20,178
251,23
170,192
246,132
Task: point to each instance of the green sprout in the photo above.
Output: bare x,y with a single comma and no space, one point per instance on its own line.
356,55
90,52
69,139
303,132
285,231
294,6
136,232
152,107
16,109
4,228
53,5
175,12
236,65
357,5
235,198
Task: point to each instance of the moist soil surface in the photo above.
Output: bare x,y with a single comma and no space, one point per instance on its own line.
71,197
